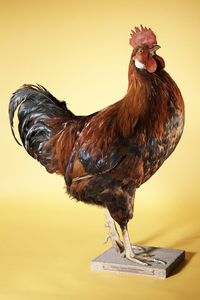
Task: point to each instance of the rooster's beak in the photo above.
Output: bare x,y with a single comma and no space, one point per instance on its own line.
154,49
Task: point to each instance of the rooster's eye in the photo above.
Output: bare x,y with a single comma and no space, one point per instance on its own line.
140,51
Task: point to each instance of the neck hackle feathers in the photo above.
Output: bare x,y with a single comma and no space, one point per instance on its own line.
142,36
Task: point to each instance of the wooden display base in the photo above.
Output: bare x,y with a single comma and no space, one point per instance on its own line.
111,261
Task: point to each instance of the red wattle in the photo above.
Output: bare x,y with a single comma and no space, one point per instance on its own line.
151,65
161,60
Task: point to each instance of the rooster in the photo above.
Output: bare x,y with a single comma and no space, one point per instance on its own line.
104,157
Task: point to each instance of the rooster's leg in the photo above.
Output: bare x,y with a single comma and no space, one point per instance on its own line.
113,233
137,258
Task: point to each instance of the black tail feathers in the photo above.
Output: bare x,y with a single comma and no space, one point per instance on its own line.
36,107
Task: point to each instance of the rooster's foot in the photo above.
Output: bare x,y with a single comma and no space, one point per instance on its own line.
116,242
134,258
113,234
137,248
142,258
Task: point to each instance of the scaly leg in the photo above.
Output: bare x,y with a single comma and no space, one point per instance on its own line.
113,233
137,258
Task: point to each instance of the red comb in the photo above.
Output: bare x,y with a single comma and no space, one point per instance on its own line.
142,36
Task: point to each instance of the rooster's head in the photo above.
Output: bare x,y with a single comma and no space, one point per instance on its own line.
145,46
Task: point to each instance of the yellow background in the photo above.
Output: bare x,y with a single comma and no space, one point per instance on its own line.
79,50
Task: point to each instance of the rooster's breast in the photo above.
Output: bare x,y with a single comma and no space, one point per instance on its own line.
157,150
